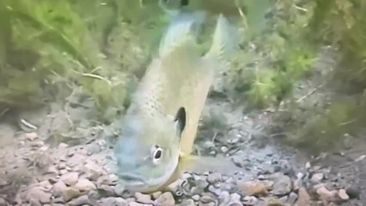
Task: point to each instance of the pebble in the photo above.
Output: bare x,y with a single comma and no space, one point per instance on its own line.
274,202
187,202
251,188
155,195
268,184
31,136
292,198
353,192
343,195
92,170
224,149
38,196
224,198
3,202
82,200
235,197
70,193
113,201
250,200
75,160
136,204
196,197
214,177
304,198
282,184
235,203
63,171
165,199
307,165
143,198
52,170
70,178
207,198
58,188
62,145
325,195
93,149
317,177
84,185
360,158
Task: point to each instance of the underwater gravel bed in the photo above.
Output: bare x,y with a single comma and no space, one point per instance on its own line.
83,175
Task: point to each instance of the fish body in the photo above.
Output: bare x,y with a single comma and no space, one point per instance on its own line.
160,126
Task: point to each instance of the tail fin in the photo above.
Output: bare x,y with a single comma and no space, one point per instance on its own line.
184,27
225,39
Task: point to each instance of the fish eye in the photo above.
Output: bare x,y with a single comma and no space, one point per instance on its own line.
157,153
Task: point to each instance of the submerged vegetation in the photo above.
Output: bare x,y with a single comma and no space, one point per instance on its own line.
50,49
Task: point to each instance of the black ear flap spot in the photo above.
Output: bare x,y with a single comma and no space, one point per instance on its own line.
180,119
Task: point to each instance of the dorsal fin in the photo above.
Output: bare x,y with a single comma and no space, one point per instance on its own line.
225,39
183,28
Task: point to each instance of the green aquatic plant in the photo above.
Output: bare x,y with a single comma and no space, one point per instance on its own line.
94,45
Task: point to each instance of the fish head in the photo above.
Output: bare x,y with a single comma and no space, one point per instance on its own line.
148,151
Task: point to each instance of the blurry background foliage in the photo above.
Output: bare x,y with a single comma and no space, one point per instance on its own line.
341,24
49,49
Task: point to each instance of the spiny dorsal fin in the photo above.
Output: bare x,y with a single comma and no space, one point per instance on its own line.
225,39
183,28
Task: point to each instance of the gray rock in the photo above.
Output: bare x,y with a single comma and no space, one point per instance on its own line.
37,196
165,199
353,192
317,177
70,178
214,190
187,202
3,202
250,200
92,170
106,190
235,197
156,195
136,204
292,198
70,193
113,201
58,188
84,185
82,200
200,187
214,177
196,197
143,198
282,184
235,203
224,198
93,149
208,198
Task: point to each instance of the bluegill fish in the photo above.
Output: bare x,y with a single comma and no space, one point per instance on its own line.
160,126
